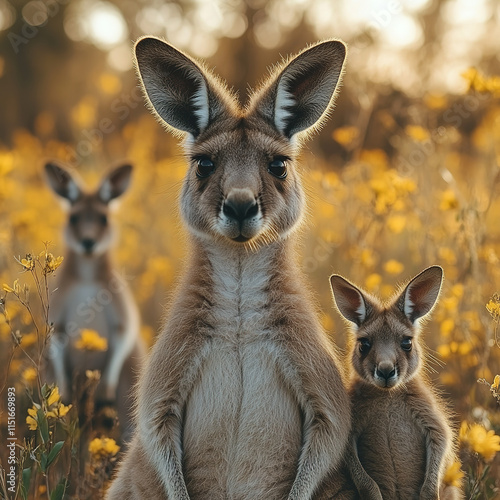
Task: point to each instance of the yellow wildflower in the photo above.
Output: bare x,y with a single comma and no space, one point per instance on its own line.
484,442
28,263
496,382
345,136
417,133
448,200
15,288
59,411
396,223
447,326
435,101
373,282
493,307
90,340
31,419
393,267
453,475
29,339
29,375
54,396
103,448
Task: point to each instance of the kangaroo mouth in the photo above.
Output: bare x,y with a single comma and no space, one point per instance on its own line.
241,239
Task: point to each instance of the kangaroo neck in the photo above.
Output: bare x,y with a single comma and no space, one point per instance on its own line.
88,268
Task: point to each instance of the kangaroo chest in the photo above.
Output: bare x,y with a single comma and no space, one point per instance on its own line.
242,430
391,445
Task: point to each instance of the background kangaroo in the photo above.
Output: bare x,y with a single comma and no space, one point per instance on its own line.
241,397
91,294
401,441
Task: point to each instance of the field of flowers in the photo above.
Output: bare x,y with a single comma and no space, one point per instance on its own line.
407,188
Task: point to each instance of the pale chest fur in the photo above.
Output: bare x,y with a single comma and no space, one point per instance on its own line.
242,432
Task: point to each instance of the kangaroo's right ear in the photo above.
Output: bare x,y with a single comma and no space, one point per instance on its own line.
350,301
62,181
301,94
178,89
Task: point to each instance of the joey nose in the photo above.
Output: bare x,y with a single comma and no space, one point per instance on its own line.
386,370
240,209
88,244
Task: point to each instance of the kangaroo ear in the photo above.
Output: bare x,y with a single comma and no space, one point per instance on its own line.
421,293
301,94
178,89
115,183
350,301
62,181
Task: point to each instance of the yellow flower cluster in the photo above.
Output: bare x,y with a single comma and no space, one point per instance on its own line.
493,307
90,340
391,191
417,133
54,409
101,448
453,475
345,136
484,442
481,83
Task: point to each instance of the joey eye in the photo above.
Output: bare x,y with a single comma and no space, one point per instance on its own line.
103,219
205,167
278,168
406,344
73,219
364,346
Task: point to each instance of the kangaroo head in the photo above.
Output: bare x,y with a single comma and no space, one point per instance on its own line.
243,183
387,351
88,231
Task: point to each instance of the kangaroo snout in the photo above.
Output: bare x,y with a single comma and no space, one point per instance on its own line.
240,208
386,372
88,244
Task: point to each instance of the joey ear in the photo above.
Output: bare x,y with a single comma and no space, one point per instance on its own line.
350,301
62,181
421,293
177,87
115,183
303,91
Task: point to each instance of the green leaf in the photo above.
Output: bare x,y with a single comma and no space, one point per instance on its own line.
54,452
25,485
43,462
58,492
45,391
43,425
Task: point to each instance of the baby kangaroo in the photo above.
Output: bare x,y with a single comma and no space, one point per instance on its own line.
401,439
241,397
90,294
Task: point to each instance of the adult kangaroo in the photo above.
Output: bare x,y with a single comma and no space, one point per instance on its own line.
242,397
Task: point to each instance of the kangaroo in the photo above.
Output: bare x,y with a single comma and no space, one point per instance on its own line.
242,397
90,294
401,441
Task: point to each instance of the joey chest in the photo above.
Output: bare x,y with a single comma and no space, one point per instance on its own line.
390,440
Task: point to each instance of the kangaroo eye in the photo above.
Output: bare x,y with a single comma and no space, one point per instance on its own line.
73,219
205,167
104,219
406,344
278,168
364,346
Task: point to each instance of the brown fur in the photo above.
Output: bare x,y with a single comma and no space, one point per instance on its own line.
90,294
401,440
241,397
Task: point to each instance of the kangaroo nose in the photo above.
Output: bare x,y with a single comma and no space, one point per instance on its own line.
88,244
386,370
240,210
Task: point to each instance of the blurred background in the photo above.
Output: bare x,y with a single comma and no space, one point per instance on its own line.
404,175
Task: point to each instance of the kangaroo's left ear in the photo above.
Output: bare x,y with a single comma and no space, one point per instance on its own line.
115,183
300,95
421,293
